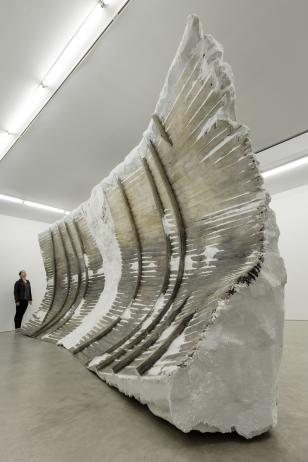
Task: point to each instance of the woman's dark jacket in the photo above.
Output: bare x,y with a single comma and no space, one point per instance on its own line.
20,291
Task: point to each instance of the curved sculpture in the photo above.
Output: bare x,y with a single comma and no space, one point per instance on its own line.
167,282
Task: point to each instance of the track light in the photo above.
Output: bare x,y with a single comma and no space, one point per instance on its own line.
27,110
89,31
4,197
6,141
76,48
285,167
36,205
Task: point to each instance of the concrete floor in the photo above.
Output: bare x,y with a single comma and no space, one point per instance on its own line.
53,409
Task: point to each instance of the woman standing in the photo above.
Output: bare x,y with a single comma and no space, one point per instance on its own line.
23,296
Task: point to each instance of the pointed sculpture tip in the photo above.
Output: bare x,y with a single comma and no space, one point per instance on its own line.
193,19
193,23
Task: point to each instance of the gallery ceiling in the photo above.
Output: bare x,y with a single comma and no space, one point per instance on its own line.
100,112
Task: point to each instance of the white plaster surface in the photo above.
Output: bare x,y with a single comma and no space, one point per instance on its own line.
230,384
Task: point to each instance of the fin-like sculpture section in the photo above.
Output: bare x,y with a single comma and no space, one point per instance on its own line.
168,282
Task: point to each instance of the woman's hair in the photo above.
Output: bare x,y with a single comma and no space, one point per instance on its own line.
21,271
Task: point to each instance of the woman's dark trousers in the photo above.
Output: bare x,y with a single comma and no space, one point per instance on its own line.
20,311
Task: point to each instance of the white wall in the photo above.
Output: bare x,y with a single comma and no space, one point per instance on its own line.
19,249
291,208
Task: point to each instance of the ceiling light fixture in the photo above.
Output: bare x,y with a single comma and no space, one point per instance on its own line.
86,35
36,205
27,110
4,197
285,167
6,141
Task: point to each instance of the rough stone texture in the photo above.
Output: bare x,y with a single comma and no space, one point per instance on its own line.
168,282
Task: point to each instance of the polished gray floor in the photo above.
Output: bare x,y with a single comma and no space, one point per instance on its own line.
53,409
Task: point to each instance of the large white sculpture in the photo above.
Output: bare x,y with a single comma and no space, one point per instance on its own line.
168,282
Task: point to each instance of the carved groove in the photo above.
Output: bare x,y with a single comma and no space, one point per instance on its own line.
180,230
160,209
58,319
72,293
137,238
48,254
157,331
157,354
161,129
97,336
62,280
62,327
106,329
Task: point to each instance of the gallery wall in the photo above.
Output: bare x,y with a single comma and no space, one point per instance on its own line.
291,208
19,249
